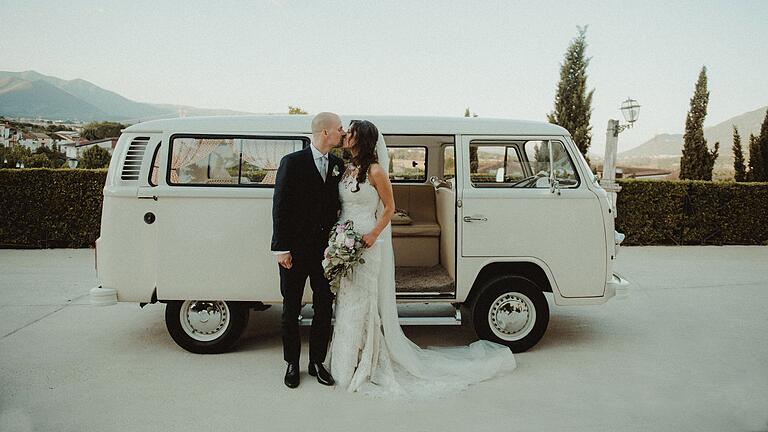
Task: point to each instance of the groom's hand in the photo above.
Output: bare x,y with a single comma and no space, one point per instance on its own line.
285,260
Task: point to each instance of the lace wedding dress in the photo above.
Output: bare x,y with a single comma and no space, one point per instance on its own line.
369,352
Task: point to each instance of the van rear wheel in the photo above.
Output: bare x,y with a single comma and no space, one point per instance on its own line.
206,326
511,310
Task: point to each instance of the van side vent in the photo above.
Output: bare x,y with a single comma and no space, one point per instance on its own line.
133,158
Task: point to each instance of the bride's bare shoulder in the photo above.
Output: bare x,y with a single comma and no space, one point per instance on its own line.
376,173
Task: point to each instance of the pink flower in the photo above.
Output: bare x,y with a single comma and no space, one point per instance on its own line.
349,242
340,228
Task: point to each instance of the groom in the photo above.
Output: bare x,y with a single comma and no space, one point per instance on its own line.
305,207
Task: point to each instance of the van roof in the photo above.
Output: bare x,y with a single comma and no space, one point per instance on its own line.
387,125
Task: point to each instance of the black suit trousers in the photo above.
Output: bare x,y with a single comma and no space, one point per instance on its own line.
292,283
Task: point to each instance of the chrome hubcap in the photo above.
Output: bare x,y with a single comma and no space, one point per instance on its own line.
512,316
204,320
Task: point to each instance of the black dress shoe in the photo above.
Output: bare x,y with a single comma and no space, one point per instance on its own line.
292,375
323,376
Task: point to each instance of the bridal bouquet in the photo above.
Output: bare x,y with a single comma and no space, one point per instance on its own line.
344,250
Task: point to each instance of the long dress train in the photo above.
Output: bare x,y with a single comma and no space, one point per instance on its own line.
369,352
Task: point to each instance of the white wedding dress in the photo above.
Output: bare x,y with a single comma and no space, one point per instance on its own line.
369,352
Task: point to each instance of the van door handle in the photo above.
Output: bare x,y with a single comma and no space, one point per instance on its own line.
470,219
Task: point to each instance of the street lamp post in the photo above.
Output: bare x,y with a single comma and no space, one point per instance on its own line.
630,109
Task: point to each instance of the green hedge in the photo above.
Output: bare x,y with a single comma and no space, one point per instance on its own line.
692,212
47,208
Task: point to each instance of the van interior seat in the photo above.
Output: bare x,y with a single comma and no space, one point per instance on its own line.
416,229
416,244
419,202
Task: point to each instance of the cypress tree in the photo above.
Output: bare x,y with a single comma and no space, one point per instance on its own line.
755,169
762,150
573,103
740,171
697,161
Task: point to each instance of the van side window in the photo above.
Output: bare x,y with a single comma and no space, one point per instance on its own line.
537,153
228,160
449,162
407,164
155,167
493,165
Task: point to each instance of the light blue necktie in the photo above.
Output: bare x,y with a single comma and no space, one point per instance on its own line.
323,166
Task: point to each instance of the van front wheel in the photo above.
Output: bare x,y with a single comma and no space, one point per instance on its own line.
511,310
206,326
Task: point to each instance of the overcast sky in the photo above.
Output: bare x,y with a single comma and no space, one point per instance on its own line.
500,58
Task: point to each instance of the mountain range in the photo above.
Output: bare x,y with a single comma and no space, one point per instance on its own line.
665,150
33,95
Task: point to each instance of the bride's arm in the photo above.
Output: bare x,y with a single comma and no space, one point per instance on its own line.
379,179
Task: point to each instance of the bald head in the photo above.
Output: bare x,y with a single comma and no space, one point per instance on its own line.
325,120
327,131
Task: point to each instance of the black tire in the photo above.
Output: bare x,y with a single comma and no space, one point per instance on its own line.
511,292
227,332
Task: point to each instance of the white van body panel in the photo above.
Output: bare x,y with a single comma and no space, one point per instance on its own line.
127,246
213,243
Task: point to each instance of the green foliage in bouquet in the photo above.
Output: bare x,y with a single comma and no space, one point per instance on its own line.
345,249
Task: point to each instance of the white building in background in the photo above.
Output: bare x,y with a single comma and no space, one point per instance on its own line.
33,140
9,136
66,137
75,150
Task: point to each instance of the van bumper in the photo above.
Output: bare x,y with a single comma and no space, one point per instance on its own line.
101,296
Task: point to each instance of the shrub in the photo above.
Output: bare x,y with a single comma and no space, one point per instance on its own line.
42,208
692,212
94,158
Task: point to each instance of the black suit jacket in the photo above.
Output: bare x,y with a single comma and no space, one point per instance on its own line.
304,207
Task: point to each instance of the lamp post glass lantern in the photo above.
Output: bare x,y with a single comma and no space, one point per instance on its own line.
630,109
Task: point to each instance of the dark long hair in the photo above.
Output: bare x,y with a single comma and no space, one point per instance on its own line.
366,135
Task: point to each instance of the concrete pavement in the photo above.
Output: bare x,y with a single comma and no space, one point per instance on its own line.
685,348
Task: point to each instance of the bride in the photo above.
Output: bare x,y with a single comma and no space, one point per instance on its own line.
369,352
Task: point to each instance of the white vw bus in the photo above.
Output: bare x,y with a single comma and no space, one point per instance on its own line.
494,214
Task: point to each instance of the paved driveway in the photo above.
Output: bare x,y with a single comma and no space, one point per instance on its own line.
686,348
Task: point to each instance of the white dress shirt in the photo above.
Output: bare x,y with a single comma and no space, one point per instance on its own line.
321,162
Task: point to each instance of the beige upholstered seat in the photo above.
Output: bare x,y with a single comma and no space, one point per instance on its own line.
416,229
417,244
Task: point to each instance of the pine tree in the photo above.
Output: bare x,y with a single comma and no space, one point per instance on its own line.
711,157
762,150
573,103
740,170
755,168
697,161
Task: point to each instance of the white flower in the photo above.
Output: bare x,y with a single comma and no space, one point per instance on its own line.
335,171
